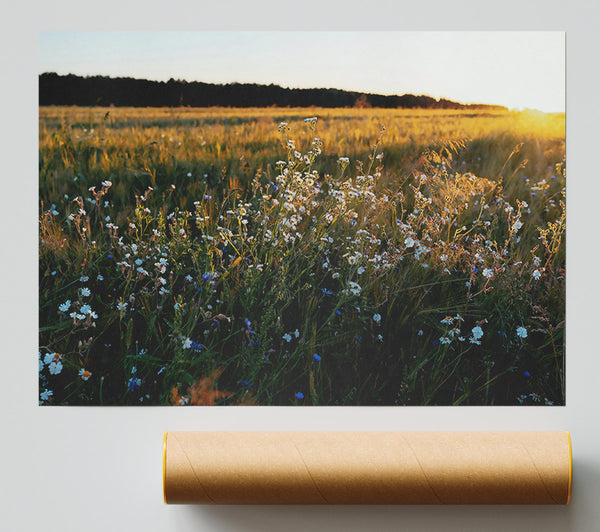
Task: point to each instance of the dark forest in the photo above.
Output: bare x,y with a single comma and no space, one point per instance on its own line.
105,91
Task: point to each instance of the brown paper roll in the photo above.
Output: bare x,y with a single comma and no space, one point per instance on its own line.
367,467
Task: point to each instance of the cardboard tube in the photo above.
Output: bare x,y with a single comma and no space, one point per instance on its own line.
367,467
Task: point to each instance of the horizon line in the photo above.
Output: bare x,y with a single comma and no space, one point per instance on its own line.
183,80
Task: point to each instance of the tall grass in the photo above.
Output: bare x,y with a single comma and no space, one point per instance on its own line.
228,256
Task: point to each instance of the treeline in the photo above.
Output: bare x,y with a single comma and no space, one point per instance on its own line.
105,91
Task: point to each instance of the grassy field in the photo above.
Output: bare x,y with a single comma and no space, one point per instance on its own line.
301,256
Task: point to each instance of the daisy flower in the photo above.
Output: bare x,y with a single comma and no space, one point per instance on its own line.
454,331
85,374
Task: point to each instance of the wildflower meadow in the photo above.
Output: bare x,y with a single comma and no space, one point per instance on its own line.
285,256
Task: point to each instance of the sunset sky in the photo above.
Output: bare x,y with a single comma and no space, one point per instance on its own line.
515,69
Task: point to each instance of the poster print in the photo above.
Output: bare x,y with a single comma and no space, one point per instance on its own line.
302,218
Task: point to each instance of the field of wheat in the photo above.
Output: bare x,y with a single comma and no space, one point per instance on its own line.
301,257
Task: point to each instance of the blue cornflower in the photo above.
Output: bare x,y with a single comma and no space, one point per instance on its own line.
299,395
206,276
526,374
338,312
133,384
317,357
326,292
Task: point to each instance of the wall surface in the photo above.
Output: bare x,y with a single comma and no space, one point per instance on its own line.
98,469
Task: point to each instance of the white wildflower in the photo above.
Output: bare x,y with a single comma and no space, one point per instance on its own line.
477,332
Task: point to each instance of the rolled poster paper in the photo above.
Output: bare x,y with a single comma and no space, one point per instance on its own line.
367,467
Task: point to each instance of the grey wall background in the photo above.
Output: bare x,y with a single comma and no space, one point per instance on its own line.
98,469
